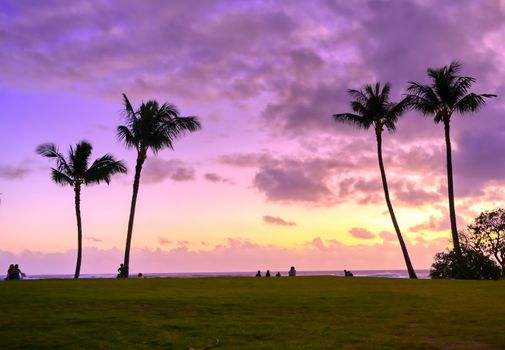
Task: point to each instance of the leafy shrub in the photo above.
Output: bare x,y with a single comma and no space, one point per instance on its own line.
473,265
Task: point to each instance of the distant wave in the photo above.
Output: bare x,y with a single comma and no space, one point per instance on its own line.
424,274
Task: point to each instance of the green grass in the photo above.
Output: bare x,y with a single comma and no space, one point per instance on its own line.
252,313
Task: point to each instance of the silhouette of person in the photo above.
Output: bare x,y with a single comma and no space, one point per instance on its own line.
292,272
9,271
278,274
121,271
267,274
16,273
258,274
140,275
349,273
346,273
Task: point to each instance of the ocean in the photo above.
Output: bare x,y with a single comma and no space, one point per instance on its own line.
424,274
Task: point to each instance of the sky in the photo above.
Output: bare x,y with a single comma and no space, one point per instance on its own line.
271,180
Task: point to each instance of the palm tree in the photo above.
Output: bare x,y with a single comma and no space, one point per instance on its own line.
447,93
373,109
150,127
74,171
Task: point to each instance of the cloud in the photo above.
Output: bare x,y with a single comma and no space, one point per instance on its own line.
388,236
216,178
361,233
93,239
275,220
157,170
8,172
242,160
164,241
437,223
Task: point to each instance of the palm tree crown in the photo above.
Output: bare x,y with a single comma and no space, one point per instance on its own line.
447,93
373,108
153,126
75,171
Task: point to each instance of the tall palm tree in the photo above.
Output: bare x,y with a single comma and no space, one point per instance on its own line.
74,171
447,93
372,108
150,127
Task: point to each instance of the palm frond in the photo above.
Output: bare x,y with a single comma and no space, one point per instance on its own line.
354,119
422,98
359,95
103,168
471,102
80,157
358,107
128,109
50,150
61,178
125,135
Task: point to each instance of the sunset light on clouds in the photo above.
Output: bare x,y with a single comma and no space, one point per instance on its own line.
270,180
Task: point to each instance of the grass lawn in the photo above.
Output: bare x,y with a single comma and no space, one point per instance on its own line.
252,313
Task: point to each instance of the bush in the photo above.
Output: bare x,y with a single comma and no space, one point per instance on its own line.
473,265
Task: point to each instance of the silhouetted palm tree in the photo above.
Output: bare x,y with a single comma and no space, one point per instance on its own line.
447,93
150,127
373,109
74,171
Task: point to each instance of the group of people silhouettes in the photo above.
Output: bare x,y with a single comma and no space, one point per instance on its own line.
14,273
291,272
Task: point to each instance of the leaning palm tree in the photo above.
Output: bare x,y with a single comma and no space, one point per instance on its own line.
372,108
74,171
150,127
447,93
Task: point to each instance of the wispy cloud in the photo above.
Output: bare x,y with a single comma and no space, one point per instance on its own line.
9,172
275,220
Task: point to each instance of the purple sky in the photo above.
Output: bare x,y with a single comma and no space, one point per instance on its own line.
270,177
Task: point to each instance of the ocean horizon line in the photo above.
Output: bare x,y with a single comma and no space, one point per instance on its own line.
383,273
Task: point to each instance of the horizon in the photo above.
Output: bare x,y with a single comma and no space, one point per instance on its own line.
270,180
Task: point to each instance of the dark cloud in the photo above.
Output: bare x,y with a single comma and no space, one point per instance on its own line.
8,172
216,178
361,233
157,170
275,220
293,180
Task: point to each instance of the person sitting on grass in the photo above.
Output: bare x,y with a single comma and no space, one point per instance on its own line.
267,274
348,273
292,272
121,271
16,273
258,274
11,267
278,274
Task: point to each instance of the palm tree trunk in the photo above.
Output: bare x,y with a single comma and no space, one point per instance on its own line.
136,183
450,190
77,190
410,269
